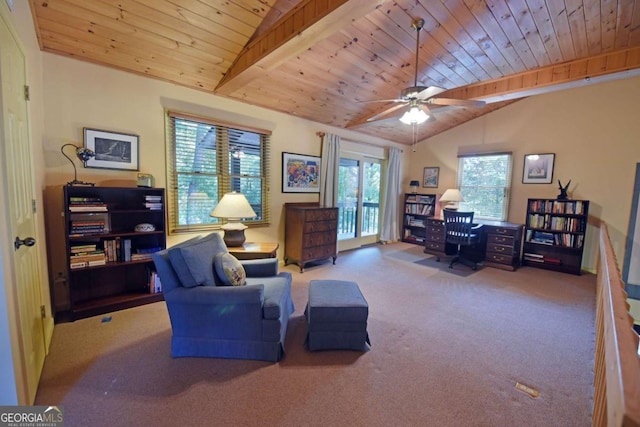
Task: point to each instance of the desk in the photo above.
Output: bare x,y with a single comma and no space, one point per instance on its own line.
500,243
254,250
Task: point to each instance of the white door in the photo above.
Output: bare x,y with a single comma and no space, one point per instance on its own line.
24,288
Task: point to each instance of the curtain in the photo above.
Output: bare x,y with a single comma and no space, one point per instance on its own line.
390,230
329,170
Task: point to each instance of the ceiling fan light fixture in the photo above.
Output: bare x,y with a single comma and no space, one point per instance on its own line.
415,115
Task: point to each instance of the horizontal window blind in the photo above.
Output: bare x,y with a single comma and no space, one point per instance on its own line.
206,160
484,181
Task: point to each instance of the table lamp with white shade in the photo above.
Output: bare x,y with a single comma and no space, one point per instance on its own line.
451,198
233,206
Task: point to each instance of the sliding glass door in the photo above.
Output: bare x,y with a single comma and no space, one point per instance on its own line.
359,201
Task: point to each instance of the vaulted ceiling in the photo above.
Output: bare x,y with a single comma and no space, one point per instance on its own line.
325,60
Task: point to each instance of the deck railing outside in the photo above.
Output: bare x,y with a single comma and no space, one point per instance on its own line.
616,398
347,219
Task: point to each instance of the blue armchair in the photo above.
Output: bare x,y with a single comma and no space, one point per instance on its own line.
210,318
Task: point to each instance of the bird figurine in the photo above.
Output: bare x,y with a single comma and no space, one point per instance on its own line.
563,190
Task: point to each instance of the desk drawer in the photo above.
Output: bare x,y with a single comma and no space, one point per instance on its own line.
436,238
434,246
505,231
493,248
500,240
499,258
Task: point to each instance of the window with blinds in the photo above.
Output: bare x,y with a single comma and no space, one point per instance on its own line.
207,159
484,181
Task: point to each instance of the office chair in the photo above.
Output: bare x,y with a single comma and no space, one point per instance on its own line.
460,231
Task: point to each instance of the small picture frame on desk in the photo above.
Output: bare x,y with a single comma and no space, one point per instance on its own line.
538,168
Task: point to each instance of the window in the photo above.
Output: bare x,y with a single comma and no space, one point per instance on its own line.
484,182
207,159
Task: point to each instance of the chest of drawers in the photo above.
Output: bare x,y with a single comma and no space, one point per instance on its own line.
311,233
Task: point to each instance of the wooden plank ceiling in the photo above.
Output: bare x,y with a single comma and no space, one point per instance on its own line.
323,59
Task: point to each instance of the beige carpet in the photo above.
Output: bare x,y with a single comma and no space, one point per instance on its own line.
448,348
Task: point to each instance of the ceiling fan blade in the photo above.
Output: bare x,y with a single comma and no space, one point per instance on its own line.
430,92
457,102
387,111
437,109
382,100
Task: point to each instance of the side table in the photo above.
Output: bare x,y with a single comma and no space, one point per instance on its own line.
254,250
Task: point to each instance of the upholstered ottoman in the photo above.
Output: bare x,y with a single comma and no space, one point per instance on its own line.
336,316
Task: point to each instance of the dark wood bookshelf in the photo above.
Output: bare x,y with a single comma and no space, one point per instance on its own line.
555,232
120,282
417,208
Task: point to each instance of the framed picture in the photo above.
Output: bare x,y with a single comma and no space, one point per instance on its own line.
430,177
300,173
538,168
113,150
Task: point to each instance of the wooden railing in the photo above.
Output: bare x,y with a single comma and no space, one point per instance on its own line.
347,219
616,399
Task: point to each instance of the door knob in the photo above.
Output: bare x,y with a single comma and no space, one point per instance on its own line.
29,241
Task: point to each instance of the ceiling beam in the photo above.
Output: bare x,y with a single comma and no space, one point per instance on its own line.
303,26
595,69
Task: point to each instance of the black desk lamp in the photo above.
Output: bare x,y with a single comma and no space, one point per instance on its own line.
414,186
83,154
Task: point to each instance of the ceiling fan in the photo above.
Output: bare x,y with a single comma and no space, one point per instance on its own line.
416,98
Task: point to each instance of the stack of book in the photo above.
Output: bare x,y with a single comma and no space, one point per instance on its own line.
86,204
541,237
533,257
541,258
144,254
153,202
84,227
87,255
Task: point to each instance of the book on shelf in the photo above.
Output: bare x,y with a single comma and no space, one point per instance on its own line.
95,256
540,237
89,259
154,286
127,250
533,257
83,248
88,208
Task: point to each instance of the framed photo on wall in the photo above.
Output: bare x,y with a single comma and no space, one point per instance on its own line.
300,173
113,150
538,168
430,177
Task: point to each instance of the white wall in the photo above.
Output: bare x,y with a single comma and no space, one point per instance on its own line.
593,131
